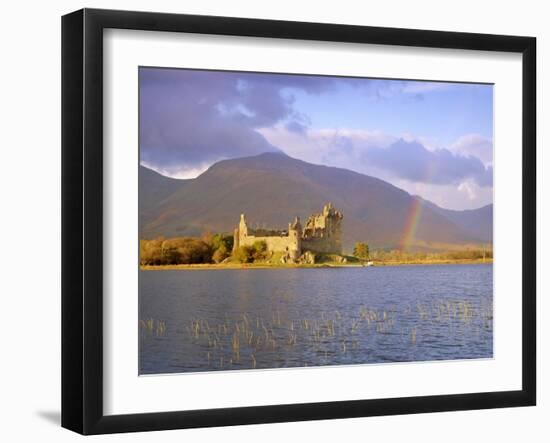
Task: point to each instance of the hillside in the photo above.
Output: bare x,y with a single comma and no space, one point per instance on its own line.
153,189
272,188
477,222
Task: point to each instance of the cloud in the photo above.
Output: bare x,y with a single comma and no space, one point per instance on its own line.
189,118
184,172
419,87
450,179
475,145
467,195
412,161
405,89
469,189
296,127
333,147
380,154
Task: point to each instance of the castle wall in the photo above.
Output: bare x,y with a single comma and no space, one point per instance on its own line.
322,245
322,234
317,221
274,243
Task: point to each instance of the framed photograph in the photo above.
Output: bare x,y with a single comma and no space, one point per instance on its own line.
268,221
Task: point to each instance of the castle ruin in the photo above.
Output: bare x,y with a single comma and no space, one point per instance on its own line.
322,233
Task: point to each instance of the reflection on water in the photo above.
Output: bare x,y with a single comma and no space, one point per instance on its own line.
208,320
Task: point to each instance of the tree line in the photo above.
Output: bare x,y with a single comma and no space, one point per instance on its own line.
363,252
216,248
186,250
196,250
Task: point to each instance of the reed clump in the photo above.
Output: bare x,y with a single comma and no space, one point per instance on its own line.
152,326
279,338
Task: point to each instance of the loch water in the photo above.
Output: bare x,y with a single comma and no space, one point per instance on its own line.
232,319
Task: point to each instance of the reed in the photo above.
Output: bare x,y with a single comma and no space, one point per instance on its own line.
152,326
241,341
161,328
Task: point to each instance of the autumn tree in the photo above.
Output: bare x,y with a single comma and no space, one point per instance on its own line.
361,251
220,254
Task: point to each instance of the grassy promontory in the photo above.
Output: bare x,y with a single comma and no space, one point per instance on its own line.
216,252
464,261
264,265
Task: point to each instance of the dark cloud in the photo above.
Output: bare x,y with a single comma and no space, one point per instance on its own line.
189,118
296,127
413,162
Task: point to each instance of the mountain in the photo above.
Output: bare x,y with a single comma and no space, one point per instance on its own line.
272,188
477,222
153,189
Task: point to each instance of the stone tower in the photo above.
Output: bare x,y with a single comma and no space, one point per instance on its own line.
295,239
243,227
323,232
240,232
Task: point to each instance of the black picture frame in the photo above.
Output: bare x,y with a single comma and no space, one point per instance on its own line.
82,219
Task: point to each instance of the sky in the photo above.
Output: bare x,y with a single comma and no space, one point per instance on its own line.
433,139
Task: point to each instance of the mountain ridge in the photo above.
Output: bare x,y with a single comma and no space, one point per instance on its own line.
478,221
273,188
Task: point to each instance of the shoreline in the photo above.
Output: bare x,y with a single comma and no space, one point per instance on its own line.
236,266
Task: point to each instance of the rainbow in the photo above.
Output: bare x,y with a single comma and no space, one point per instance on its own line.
411,223
415,212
